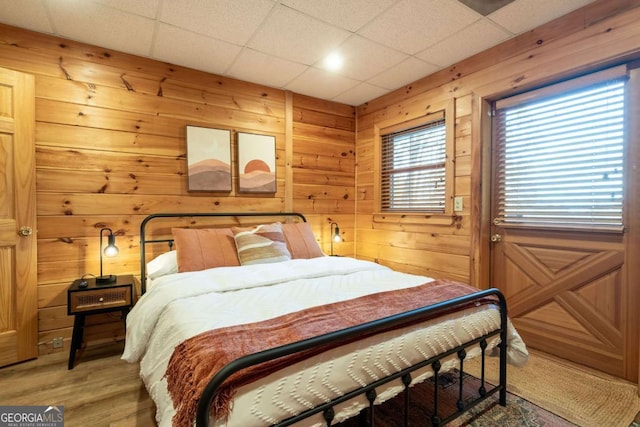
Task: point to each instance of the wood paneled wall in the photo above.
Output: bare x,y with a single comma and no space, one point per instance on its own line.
110,149
323,167
450,246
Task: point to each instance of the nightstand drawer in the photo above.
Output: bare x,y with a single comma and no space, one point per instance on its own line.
99,299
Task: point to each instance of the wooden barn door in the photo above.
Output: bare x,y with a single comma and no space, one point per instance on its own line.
565,293
564,278
18,266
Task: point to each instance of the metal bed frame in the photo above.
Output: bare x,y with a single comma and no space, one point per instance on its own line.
367,416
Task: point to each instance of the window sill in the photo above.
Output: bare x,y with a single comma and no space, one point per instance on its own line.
415,218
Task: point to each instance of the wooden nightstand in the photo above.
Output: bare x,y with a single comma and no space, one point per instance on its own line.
93,299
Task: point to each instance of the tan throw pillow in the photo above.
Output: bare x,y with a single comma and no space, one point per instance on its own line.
199,249
262,244
301,241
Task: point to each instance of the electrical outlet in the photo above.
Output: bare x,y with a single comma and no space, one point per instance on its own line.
457,204
57,342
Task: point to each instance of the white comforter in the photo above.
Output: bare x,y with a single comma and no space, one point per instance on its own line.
182,305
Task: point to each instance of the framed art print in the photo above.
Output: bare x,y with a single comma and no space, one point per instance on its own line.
256,163
209,159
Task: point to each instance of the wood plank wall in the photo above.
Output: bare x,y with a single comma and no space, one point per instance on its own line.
110,149
604,32
324,168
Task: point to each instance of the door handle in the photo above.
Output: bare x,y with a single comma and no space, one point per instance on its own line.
25,231
496,238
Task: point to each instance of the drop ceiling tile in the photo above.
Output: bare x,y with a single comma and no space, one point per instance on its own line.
29,14
258,67
146,8
101,25
196,51
321,84
360,94
240,18
524,15
280,42
364,59
291,35
405,72
413,25
350,15
475,38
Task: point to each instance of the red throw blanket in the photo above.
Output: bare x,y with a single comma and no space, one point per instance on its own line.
195,360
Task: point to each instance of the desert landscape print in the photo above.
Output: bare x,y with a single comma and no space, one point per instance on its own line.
209,159
257,163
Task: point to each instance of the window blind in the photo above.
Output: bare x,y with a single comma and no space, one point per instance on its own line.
413,169
560,159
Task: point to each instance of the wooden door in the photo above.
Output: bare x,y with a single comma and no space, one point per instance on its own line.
569,287
18,266
565,293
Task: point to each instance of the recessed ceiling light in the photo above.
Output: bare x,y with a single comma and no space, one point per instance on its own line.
333,62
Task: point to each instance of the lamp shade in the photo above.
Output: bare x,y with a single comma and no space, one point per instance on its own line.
335,235
111,249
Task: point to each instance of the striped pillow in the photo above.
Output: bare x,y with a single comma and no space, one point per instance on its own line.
260,245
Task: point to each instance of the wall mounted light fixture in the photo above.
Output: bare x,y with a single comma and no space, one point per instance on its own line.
335,235
110,250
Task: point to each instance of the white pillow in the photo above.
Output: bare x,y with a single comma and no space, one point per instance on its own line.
166,263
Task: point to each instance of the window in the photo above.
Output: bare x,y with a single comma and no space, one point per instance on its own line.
560,157
413,169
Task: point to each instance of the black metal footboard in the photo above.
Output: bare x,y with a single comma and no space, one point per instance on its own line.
327,408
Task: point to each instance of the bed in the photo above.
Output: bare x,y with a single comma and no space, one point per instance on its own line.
248,323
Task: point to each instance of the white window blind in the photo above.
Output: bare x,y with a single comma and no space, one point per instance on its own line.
560,159
413,169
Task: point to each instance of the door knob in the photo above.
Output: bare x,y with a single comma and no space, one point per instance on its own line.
496,238
25,231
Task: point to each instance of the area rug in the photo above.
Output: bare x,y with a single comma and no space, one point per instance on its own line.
581,395
518,411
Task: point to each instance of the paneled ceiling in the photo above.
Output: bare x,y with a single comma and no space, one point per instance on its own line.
385,44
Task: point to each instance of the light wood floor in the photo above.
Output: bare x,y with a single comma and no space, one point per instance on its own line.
104,391
100,391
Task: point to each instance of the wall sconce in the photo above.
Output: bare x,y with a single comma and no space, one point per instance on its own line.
110,250
335,235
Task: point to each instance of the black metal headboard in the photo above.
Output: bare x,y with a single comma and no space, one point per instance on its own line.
144,241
